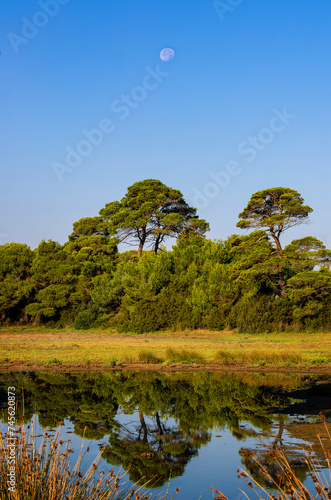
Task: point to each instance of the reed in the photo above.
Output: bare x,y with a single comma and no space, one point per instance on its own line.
285,483
46,473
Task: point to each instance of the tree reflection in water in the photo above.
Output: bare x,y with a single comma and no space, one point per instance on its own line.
312,400
153,449
173,414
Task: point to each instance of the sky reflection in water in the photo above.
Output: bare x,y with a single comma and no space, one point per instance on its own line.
192,427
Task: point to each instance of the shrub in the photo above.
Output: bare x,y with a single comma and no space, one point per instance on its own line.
261,314
85,319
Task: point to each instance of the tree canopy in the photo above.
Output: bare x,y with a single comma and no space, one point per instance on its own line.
149,212
274,210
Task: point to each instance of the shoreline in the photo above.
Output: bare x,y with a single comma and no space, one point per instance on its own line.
169,368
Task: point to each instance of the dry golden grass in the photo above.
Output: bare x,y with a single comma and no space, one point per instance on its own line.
100,348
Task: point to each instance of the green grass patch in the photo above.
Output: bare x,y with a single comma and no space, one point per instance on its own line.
113,362
147,356
183,356
261,357
321,360
225,357
54,361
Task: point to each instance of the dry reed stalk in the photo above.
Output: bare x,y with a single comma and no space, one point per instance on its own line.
287,485
46,473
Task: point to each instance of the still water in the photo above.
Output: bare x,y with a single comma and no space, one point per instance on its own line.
196,429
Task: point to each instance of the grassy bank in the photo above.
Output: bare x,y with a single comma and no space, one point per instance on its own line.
101,349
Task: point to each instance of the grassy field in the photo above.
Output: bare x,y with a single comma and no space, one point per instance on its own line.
101,349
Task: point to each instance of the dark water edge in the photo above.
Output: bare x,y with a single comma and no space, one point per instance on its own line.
196,428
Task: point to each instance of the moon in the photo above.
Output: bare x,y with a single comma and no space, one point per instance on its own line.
167,54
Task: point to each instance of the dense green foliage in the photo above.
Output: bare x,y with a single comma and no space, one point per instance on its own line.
149,212
248,282
275,210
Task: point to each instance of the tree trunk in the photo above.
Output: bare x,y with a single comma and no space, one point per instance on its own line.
156,247
143,424
281,280
158,422
278,438
142,238
140,249
278,245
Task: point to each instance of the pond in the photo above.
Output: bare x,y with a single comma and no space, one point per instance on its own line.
197,429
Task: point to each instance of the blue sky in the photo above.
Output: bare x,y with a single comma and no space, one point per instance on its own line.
67,65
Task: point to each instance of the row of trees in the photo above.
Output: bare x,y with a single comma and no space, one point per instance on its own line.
247,282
